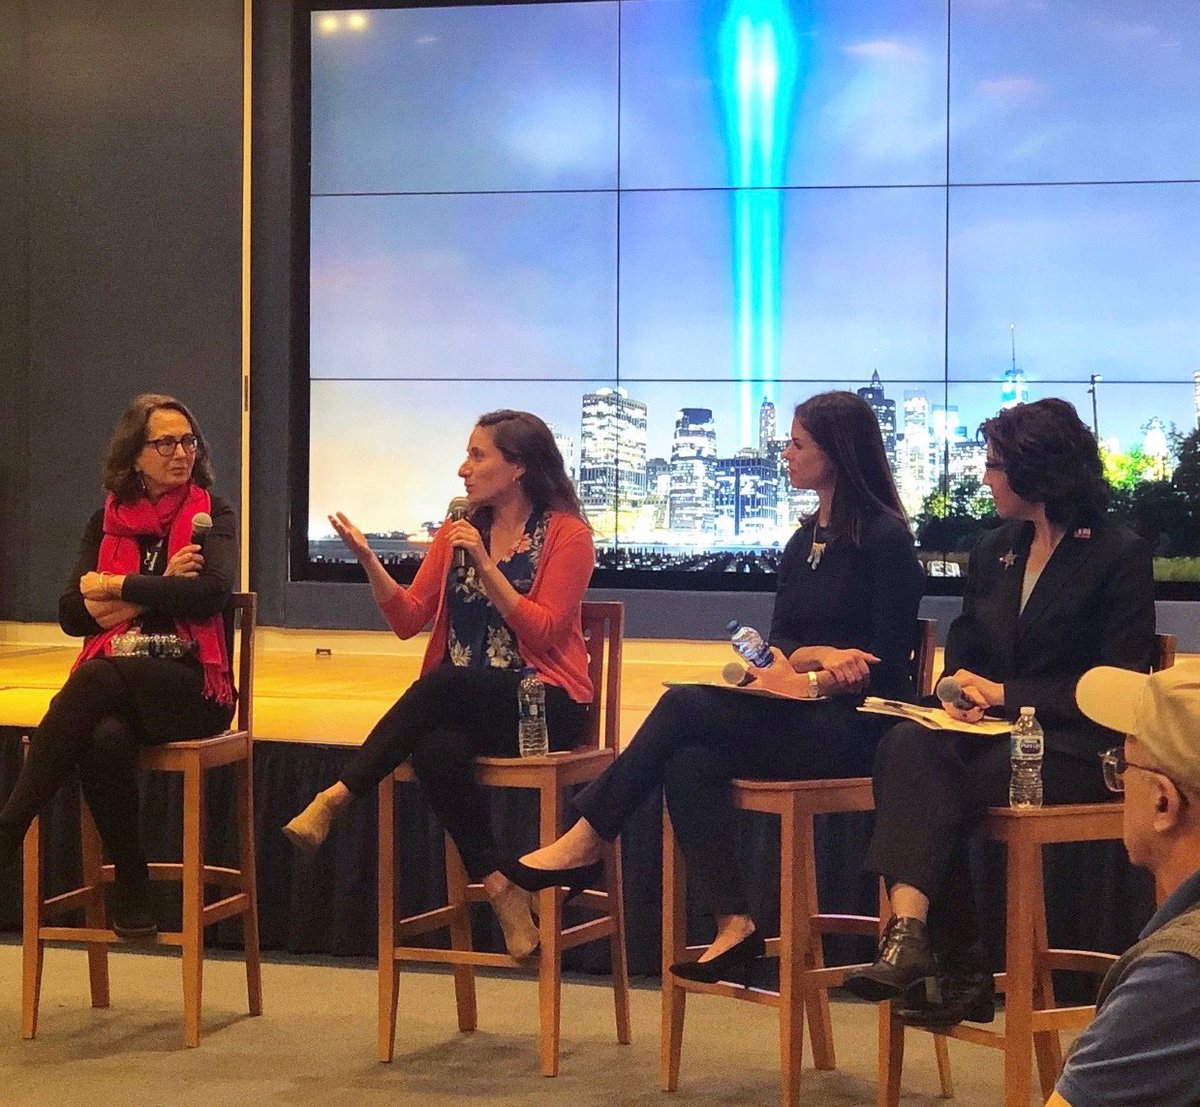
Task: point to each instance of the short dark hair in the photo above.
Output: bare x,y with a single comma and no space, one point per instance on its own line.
1051,457
847,431
525,440
129,437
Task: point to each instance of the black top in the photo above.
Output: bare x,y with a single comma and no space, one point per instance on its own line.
861,596
1092,605
166,598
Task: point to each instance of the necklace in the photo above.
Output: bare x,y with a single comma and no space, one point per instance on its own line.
817,550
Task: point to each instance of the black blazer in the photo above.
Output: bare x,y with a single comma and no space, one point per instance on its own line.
1092,605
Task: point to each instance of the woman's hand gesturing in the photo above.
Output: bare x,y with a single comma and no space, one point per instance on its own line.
351,536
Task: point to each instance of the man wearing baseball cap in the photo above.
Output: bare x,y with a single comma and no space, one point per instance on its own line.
1144,1045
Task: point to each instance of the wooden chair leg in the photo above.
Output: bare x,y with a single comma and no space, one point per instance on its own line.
891,1056
674,940
460,937
550,933
1046,1043
92,867
244,795
942,1055
193,900
388,971
1023,856
816,1000
32,946
616,941
794,928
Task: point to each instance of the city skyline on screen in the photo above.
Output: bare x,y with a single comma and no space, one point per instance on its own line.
712,205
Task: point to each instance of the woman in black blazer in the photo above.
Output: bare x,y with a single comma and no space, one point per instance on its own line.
1054,591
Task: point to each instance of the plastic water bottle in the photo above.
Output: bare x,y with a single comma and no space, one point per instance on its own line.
1025,761
749,644
533,740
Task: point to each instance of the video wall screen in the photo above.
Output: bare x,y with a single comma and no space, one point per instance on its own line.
660,224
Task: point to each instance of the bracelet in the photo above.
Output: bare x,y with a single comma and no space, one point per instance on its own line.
814,689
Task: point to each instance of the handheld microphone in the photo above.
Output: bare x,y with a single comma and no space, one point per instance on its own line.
735,674
948,690
201,525
459,506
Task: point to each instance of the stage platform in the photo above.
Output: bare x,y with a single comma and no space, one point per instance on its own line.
330,687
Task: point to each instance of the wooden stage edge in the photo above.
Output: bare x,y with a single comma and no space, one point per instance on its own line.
330,686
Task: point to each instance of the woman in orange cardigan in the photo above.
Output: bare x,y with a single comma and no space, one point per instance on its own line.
529,557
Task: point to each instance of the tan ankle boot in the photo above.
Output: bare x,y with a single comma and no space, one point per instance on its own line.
513,909
309,829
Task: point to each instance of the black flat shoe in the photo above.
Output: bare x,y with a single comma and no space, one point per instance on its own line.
965,997
905,959
131,912
734,964
575,880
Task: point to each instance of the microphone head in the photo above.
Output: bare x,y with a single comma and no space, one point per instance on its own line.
459,507
733,673
948,690
201,525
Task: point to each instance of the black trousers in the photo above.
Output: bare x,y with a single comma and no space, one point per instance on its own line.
694,742
447,718
931,789
108,708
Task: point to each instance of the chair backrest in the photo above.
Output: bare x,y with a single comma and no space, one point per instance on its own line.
603,631
922,658
245,608
1164,652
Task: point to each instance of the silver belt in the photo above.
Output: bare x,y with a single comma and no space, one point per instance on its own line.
136,644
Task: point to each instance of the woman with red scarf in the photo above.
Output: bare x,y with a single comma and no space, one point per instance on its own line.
139,574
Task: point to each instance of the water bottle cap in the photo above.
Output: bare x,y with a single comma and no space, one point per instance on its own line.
1026,710
732,625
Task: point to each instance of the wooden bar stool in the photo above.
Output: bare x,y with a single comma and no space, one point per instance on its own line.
193,759
549,776
804,979
1032,1020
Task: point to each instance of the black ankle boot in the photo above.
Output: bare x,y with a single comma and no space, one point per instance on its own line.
905,959
966,996
131,910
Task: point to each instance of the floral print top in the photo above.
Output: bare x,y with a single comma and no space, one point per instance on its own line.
477,635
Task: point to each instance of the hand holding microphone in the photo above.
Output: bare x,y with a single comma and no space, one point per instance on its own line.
456,512
188,560
966,695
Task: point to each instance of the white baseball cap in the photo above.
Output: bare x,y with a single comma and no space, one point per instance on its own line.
1161,710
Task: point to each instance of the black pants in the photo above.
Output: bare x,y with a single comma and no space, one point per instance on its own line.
931,788
447,718
695,742
108,708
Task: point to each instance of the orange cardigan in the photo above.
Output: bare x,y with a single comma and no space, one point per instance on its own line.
546,622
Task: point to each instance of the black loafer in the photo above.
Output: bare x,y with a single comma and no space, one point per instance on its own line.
131,912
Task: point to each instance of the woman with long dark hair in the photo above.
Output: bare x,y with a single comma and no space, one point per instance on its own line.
529,557
1056,590
845,623
154,667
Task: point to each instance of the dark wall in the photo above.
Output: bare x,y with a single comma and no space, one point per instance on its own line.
120,163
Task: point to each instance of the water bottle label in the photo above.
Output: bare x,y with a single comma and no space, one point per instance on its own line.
1026,745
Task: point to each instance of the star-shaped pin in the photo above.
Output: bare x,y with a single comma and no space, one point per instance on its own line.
1008,560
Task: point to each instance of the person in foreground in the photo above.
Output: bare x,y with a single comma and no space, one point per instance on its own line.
516,603
845,623
139,573
1056,590
1144,1045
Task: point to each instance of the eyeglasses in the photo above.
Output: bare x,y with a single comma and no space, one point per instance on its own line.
995,466
1114,763
166,445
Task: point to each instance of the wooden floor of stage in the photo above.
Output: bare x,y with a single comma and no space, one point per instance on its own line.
305,696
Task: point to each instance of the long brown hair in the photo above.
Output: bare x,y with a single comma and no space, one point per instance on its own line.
129,438
845,428
525,440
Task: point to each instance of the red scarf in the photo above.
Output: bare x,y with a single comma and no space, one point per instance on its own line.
170,517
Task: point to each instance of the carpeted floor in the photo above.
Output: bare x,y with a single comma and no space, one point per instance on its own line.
315,1045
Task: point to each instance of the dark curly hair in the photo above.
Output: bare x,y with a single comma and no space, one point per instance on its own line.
845,428
1050,457
128,438
525,440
